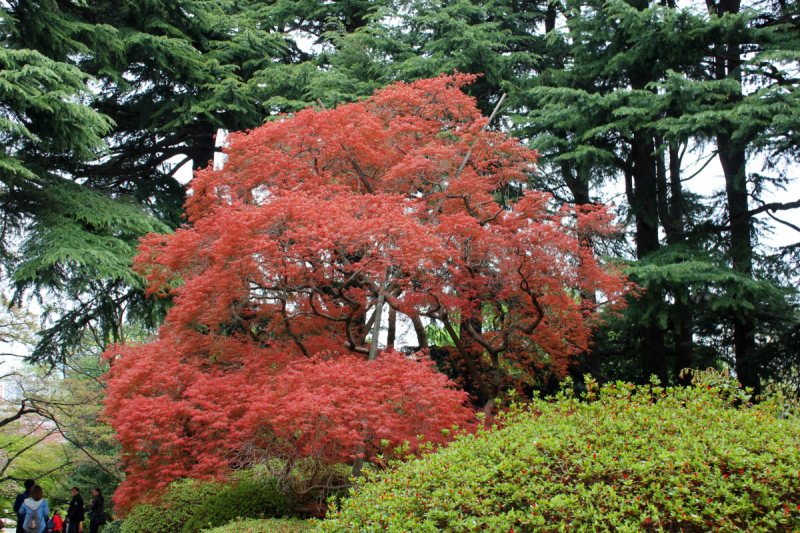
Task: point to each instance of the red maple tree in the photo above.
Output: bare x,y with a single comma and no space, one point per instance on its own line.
293,249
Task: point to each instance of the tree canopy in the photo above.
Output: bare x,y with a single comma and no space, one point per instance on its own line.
314,222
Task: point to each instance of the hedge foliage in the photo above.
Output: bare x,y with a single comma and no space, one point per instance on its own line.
623,458
291,525
176,507
191,506
248,499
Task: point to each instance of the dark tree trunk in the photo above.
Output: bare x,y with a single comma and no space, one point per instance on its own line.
671,214
645,208
392,329
733,159
203,146
741,255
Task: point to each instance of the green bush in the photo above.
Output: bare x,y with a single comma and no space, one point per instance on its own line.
177,506
247,499
622,459
112,527
265,526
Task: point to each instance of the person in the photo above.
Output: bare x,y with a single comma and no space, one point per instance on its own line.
55,524
29,483
97,512
75,512
35,510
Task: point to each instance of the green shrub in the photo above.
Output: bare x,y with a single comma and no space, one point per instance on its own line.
247,499
112,527
265,526
176,507
624,459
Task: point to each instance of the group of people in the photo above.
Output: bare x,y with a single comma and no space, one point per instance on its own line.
33,512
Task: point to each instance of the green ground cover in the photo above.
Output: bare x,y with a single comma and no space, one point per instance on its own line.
274,525
627,459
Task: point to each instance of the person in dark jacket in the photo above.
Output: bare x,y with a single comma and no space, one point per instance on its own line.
75,512
96,511
29,483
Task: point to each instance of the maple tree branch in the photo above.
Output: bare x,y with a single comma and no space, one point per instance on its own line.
289,329
469,152
353,162
319,313
466,157
491,218
351,341
360,172
473,370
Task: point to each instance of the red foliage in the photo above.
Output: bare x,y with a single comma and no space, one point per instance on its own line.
311,220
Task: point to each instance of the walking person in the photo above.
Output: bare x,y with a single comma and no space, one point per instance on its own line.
75,512
55,525
35,512
97,511
29,483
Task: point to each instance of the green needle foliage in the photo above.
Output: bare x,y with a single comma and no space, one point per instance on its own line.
624,458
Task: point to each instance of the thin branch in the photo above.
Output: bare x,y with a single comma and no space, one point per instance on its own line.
785,223
466,157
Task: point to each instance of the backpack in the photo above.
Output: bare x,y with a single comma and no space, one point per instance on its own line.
51,525
32,522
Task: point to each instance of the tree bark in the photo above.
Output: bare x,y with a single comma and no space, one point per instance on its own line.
392,333
645,208
733,159
204,146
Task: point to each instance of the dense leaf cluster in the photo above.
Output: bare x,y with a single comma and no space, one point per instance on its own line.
192,506
276,525
246,499
623,458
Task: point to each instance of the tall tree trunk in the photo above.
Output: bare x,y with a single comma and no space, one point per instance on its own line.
741,256
645,209
670,210
733,159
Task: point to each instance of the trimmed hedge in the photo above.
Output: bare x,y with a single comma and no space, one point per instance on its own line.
624,459
190,506
177,506
265,526
248,499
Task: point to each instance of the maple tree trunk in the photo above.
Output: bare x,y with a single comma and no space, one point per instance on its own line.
485,393
358,462
376,328
419,329
392,328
